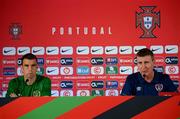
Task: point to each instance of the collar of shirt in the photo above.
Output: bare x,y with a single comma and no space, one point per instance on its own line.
155,79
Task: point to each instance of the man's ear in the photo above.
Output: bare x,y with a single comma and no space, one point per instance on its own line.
153,59
38,68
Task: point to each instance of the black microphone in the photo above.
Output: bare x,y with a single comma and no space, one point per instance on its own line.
144,75
27,80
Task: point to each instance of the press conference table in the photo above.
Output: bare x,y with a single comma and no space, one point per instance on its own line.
100,107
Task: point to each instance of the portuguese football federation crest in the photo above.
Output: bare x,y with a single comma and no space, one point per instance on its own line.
15,29
148,20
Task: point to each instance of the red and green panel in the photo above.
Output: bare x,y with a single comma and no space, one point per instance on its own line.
92,107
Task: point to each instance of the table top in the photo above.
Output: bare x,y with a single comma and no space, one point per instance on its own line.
100,107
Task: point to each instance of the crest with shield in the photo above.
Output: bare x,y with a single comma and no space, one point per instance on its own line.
147,20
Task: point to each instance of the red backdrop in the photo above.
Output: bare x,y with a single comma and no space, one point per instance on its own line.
67,25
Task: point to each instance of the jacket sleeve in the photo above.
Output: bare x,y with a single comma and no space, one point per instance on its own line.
12,87
128,87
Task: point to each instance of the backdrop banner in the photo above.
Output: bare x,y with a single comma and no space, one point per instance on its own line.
88,48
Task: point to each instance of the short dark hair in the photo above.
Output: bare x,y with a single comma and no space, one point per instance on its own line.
29,56
145,52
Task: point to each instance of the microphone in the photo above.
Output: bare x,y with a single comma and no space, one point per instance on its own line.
27,80
144,75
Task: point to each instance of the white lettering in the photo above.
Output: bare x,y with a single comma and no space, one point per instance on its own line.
85,30
61,31
102,30
81,30
53,30
109,31
94,30
70,30
78,30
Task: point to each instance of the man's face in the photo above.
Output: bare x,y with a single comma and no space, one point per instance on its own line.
29,68
145,65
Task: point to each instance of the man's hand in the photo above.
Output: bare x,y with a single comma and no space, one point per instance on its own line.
13,95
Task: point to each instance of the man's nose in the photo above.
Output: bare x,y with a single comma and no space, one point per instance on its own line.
143,66
30,68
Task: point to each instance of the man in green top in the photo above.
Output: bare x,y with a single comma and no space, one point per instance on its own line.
30,84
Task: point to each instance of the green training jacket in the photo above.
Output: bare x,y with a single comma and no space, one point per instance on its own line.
41,87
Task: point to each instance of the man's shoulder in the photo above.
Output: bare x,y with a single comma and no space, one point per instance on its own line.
19,78
134,75
43,78
162,75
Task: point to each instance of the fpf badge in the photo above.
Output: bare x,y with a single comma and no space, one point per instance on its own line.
15,29
148,20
